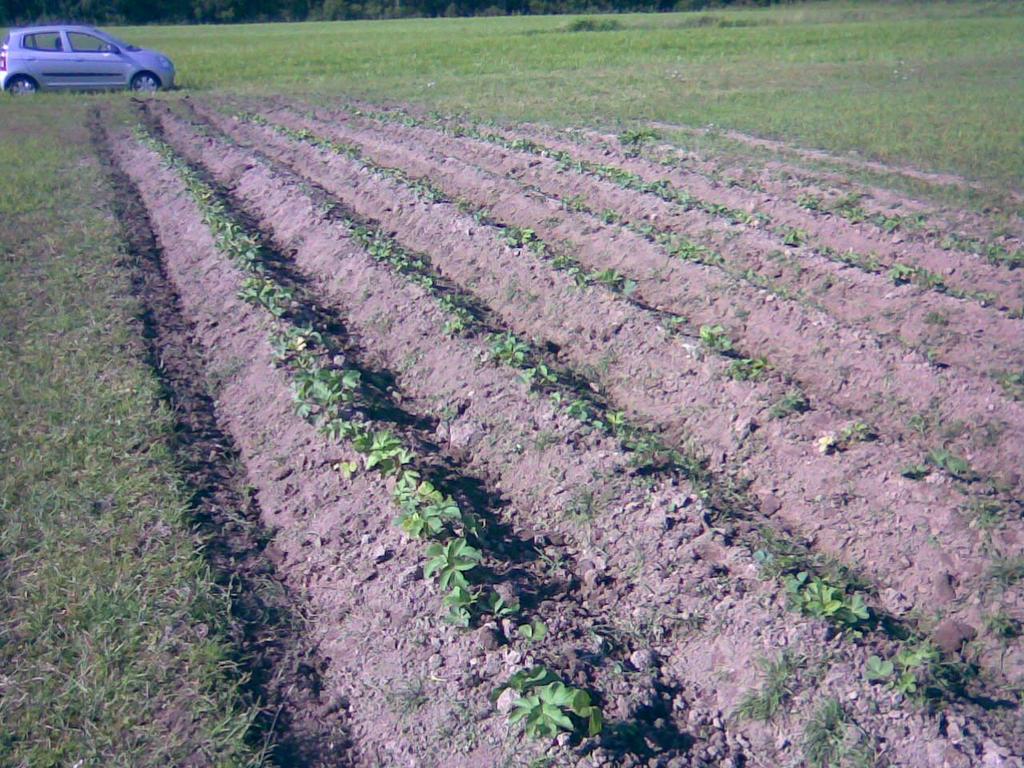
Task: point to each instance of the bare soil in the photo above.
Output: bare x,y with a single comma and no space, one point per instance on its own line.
654,594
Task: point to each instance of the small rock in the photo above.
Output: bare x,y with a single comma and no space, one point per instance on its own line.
462,435
942,588
488,639
642,659
506,701
951,634
380,553
770,504
282,473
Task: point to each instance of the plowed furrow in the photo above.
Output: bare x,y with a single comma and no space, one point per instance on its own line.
663,735
326,528
823,368
845,212
342,276
939,179
842,221
282,664
507,201
451,240
695,204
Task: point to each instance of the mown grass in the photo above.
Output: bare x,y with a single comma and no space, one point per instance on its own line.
111,626
935,85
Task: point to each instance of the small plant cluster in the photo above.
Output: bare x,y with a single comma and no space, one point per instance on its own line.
953,465
647,449
546,706
814,585
792,236
323,395
901,274
918,670
910,669
813,596
850,208
633,142
792,402
716,339
996,254
1012,383
844,439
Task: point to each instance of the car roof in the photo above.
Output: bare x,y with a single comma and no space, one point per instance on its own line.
52,27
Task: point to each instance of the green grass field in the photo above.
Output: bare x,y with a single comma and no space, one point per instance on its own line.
936,85
111,624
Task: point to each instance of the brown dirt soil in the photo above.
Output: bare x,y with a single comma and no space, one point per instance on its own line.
966,271
339,275
441,232
943,179
721,184
877,301
652,603
283,667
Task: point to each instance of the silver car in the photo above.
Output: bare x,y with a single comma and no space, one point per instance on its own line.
61,57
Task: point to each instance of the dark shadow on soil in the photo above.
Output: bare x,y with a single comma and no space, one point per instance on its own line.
280,670
379,402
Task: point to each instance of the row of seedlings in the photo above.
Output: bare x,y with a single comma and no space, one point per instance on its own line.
849,206
712,337
743,367
327,396
815,586
899,273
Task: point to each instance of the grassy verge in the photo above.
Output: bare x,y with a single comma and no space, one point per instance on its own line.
931,84
110,622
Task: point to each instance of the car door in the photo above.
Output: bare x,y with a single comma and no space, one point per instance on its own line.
97,62
47,59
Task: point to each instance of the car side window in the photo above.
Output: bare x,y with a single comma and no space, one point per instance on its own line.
82,43
43,41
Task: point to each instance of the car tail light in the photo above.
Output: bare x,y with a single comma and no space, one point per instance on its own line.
3,59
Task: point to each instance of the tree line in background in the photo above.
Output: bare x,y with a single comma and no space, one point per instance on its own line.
213,11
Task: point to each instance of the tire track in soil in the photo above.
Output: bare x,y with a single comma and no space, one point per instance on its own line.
979,400
623,757
270,198
324,169
283,668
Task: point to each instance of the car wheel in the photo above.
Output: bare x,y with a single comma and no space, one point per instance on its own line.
21,85
146,82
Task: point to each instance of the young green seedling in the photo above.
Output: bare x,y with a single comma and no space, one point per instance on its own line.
449,562
548,710
715,338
